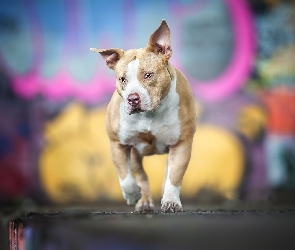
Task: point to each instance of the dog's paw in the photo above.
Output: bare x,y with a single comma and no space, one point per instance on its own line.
144,206
171,207
131,191
171,202
133,196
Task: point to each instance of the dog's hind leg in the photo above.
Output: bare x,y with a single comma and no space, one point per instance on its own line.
146,201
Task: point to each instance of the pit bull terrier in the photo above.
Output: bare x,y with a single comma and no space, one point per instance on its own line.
151,112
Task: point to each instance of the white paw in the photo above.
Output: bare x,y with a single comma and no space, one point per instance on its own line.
132,197
131,191
171,207
171,201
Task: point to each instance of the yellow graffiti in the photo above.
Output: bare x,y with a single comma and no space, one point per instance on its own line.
75,164
251,121
217,163
282,63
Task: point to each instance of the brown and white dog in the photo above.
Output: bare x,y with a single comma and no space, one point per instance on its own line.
152,112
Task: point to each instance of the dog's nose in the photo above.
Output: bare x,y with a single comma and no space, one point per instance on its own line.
134,99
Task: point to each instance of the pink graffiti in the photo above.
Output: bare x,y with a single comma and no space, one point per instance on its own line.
101,83
238,70
62,84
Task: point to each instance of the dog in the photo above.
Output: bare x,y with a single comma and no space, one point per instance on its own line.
151,112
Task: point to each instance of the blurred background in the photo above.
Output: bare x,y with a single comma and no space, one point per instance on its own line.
239,56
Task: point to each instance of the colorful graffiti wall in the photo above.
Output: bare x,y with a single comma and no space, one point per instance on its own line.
239,57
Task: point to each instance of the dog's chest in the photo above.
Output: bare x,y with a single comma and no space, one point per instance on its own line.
151,132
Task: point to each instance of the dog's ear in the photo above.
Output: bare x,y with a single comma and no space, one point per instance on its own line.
111,56
160,41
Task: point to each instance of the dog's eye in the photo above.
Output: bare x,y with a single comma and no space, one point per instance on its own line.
148,75
123,79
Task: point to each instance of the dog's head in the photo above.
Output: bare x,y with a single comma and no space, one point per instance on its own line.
142,75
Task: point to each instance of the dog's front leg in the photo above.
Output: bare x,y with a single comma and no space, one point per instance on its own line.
146,201
121,158
178,160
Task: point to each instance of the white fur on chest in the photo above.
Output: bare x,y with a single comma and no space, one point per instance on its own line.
162,122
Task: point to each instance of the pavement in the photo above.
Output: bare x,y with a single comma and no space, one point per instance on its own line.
230,225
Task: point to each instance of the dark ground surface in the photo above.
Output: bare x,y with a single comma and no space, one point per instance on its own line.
230,225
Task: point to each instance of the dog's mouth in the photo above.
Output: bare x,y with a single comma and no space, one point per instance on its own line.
135,110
